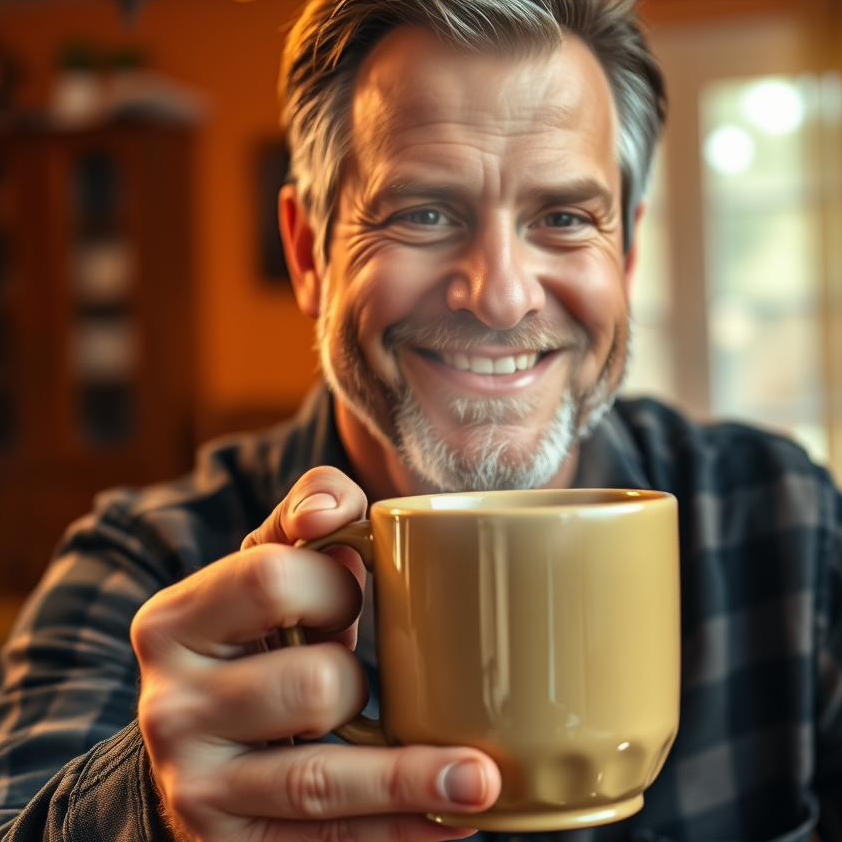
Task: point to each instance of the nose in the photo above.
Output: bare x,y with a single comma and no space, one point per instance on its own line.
493,281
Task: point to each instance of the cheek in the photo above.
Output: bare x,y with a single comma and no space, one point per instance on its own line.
393,286
591,290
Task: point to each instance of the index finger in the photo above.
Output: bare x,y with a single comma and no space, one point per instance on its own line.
323,500
243,597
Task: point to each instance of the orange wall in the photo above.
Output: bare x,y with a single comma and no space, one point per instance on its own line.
254,346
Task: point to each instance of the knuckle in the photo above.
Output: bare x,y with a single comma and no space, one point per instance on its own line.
189,801
164,717
149,632
314,689
266,577
398,783
311,788
351,683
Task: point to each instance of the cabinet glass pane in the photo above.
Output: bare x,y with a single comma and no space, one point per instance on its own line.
104,349
102,335
97,193
107,412
102,272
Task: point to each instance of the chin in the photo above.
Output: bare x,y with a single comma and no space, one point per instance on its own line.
490,455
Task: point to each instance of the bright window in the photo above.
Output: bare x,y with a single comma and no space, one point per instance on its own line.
738,298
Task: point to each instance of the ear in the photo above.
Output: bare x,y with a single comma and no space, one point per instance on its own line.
631,255
298,238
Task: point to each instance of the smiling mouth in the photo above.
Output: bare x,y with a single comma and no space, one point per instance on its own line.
482,364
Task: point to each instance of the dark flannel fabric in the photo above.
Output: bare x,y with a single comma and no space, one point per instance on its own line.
759,750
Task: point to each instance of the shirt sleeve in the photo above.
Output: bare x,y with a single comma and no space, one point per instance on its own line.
829,688
72,763
105,795
68,695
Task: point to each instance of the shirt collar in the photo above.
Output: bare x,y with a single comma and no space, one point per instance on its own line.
610,458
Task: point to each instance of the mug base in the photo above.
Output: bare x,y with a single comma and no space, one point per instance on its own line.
536,820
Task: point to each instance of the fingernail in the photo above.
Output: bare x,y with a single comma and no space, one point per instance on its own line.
316,503
463,782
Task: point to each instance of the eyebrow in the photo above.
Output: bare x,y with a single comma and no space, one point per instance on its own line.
571,193
565,193
418,190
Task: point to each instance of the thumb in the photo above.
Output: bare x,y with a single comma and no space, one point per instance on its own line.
323,500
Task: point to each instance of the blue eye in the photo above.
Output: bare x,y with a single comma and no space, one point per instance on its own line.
425,216
563,219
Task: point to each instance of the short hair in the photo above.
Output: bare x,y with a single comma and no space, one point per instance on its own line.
331,39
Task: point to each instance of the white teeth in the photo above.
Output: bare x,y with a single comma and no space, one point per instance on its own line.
461,362
489,365
482,365
505,365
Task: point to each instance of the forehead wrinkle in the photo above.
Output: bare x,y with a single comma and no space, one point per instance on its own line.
454,155
441,151
501,97
382,122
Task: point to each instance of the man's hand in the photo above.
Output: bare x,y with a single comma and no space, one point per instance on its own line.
211,711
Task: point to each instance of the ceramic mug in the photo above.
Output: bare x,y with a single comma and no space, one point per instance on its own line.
540,626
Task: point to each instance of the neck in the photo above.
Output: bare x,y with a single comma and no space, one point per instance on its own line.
381,471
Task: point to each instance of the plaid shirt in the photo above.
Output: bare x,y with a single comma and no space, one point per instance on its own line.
759,750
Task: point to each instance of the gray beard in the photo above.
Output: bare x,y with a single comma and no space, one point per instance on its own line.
491,460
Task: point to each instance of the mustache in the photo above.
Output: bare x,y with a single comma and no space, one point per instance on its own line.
468,332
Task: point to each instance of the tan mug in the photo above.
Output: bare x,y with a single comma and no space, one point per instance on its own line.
540,626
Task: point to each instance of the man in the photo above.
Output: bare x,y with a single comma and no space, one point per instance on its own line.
467,177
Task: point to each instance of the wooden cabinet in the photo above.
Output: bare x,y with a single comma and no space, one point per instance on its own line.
96,324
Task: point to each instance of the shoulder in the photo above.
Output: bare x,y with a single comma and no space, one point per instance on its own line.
735,482
724,454
182,524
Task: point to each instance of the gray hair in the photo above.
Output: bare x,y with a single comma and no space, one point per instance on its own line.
331,39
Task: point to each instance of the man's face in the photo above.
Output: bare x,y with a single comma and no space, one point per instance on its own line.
474,308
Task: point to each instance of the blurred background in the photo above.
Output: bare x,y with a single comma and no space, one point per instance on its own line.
144,306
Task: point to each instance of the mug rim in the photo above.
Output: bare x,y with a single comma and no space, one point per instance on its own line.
626,499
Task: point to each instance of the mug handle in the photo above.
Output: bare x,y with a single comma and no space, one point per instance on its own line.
361,730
